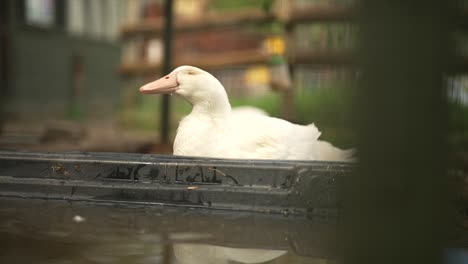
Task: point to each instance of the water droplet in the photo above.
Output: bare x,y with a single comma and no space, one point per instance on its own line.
78,219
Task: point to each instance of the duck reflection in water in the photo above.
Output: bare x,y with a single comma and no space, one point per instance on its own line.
187,253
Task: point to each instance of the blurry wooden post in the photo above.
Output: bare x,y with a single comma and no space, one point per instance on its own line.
167,66
395,206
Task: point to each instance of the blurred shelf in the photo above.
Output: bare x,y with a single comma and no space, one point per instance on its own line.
215,20
344,13
239,58
253,57
334,58
323,14
206,61
251,16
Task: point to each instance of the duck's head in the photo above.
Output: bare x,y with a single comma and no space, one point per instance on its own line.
191,83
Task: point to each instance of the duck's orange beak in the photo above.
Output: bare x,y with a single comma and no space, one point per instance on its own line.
164,85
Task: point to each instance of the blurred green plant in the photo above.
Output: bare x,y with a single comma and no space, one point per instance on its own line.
269,102
330,109
76,112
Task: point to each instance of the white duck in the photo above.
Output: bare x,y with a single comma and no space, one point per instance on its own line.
211,130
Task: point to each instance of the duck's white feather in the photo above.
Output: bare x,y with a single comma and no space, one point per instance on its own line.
248,110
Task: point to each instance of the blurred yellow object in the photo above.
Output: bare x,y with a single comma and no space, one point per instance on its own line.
190,9
258,75
275,45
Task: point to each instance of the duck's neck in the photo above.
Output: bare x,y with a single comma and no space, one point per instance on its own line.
215,109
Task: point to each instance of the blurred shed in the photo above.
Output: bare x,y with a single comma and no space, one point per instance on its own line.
62,55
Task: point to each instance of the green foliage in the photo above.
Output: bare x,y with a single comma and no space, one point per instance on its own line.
329,108
76,112
144,115
237,4
270,102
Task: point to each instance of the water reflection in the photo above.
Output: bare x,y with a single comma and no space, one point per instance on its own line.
38,231
187,253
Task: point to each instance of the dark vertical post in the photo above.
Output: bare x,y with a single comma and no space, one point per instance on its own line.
395,205
168,33
4,43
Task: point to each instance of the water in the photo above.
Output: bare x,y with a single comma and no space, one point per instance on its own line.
41,231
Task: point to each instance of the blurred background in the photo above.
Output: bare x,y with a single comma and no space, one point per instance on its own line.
70,73
70,70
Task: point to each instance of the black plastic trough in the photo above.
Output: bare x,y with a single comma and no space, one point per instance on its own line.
287,187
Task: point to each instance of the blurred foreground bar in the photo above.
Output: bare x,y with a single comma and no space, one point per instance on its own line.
395,204
167,68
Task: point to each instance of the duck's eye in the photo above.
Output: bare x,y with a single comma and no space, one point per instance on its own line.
192,72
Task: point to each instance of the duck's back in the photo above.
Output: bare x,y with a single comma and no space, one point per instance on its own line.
253,137
263,137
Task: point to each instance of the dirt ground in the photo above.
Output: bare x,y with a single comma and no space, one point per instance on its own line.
91,136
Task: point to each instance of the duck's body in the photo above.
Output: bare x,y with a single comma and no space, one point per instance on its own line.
212,130
247,137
